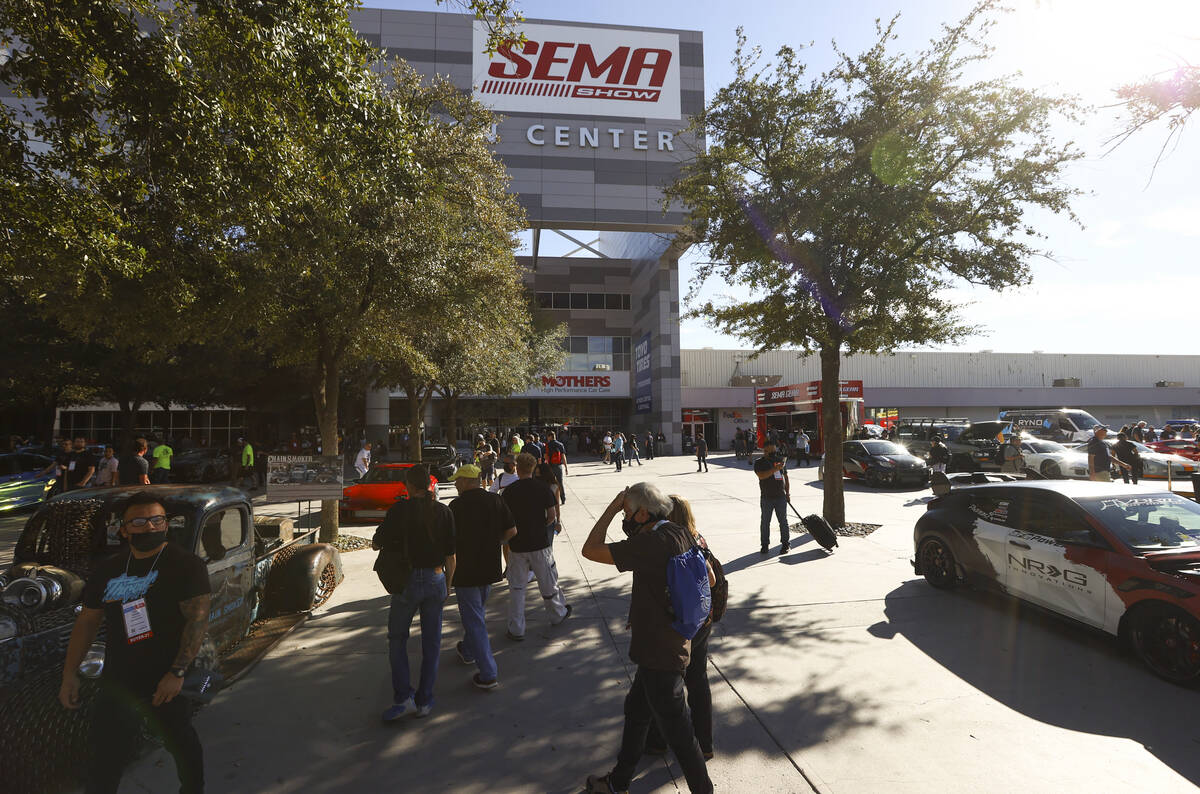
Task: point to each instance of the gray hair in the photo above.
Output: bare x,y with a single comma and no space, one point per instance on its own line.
645,495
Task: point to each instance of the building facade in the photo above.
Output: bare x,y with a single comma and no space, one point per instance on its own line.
719,384
592,126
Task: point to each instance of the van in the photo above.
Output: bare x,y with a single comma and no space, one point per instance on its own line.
1063,425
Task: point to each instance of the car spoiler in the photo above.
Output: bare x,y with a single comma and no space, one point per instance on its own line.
942,484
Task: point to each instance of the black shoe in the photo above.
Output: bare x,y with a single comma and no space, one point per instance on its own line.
461,650
570,609
763,550
783,549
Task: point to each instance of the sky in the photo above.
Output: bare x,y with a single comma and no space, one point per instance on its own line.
1117,280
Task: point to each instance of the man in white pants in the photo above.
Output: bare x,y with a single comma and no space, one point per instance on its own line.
362,461
532,505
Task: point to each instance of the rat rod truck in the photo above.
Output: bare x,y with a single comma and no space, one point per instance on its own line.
254,574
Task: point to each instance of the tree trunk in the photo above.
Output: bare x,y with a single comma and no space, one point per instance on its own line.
127,408
451,414
325,386
47,410
415,406
832,435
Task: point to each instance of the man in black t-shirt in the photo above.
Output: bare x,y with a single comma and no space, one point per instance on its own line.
773,491
154,599
1099,460
423,529
81,466
659,651
701,452
133,468
532,505
482,523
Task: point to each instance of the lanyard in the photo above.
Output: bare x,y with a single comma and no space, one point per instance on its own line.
152,566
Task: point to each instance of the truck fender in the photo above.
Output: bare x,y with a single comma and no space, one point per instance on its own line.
304,580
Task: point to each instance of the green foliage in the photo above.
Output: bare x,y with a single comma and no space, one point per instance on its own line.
502,17
848,203
1172,98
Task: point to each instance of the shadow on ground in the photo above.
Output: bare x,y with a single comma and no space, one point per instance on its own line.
1048,669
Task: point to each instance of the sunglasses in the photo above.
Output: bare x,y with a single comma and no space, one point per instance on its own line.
157,521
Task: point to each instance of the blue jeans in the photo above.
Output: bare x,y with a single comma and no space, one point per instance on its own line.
426,592
778,506
471,607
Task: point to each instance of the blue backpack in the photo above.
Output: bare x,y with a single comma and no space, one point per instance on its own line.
688,591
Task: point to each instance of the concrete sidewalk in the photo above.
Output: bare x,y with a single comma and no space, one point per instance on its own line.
836,673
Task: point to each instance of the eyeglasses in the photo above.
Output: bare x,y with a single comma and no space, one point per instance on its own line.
157,521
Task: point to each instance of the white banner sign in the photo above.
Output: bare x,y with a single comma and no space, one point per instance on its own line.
580,384
563,69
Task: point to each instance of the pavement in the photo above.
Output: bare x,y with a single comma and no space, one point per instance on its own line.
833,672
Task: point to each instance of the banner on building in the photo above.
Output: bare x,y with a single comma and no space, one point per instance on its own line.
300,478
581,71
643,395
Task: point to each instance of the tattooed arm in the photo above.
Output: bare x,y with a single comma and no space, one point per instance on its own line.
195,613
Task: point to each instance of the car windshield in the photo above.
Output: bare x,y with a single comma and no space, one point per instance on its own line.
884,448
1153,521
1082,419
384,474
1045,446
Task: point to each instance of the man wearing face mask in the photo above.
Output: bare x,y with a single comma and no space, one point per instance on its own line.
154,598
660,653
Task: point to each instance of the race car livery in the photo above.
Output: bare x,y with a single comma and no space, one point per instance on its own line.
1122,559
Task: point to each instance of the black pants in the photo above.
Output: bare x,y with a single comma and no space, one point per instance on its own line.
618,456
558,477
803,453
1134,471
116,716
699,695
649,452
657,697
702,460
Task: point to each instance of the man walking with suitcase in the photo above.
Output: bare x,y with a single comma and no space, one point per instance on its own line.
774,489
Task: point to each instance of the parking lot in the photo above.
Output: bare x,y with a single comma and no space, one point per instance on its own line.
841,673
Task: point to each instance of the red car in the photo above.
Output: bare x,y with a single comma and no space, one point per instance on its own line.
1183,447
370,497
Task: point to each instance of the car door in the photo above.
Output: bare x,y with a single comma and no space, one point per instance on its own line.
1050,547
222,544
989,508
854,459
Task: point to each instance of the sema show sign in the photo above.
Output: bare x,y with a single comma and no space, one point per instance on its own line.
583,384
583,71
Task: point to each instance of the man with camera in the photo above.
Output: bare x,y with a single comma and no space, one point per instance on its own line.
660,652
154,598
773,491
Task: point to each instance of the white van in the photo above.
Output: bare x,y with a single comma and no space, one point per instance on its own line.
1056,424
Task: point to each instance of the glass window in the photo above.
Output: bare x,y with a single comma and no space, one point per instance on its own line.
222,532
600,344
579,344
595,300
562,300
625,302
612,301
1151,522
579,300
545,300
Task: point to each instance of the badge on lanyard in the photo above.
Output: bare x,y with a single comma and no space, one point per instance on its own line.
137,621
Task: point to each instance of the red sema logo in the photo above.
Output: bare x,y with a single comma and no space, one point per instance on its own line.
560,69
577,381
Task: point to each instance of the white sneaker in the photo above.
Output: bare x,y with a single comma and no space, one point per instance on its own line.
398,710
424,711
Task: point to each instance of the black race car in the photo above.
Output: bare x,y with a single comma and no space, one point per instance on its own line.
1122,559
880,463
201,464
442,460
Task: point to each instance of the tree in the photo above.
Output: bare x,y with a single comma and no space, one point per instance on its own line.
1172,97
502,18
849,203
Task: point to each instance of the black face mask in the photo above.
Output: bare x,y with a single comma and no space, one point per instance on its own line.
147,541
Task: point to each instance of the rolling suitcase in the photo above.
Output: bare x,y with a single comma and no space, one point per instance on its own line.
819,528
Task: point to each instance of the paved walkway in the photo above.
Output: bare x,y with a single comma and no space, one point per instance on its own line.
837,673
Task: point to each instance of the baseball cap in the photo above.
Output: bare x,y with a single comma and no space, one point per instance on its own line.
1100,427
469,470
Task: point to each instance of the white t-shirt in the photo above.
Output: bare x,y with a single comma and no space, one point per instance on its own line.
106,471
362,461
608,441
505,479
803,441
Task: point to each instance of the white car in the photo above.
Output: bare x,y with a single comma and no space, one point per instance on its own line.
1053,460
1155,464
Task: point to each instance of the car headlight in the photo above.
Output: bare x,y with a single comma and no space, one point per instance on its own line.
887,463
